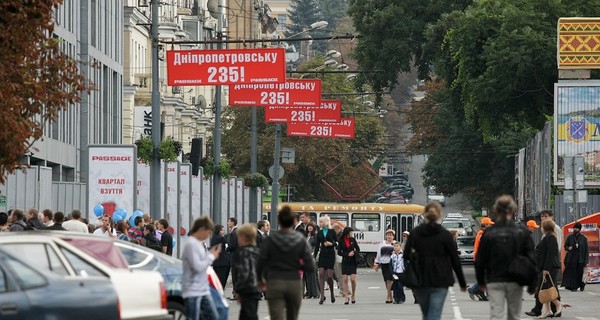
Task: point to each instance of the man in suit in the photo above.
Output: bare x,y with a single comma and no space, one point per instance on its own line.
298,225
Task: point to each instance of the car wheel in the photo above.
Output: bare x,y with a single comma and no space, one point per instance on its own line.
176,310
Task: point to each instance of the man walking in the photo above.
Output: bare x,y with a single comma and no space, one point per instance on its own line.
499,246
474,290
166,239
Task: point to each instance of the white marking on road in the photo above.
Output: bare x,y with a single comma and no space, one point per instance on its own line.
587,318
592,293
374,288
453,299
457,314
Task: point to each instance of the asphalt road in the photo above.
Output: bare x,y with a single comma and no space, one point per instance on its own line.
458,306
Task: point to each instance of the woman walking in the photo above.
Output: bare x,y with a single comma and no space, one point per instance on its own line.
310,277
383,262
221,264
437,258
549,261
349,250
326,242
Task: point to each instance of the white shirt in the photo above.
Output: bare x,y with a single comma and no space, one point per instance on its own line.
99,232
75,226
195,262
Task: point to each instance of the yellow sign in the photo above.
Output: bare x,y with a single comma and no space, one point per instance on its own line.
578,129
578,43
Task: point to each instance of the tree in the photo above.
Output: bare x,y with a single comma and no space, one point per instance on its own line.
314,156
333,11
37,79
302,14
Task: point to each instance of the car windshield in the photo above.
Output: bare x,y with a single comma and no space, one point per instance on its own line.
452,224
103,251
466,241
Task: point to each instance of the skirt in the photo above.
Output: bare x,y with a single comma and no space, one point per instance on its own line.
326,259
386,270
348,268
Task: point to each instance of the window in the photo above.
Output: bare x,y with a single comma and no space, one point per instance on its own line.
26,277
336,217
3,287
39,255
133,257
81,267
366,222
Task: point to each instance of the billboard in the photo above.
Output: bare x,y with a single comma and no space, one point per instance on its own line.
576,120
172,198
344,129
112,177
578,44
228,66
292,93
328,111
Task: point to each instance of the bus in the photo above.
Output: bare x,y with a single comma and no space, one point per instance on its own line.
369,220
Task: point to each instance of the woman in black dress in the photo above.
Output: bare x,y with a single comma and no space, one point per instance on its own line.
326,242
548,260
349,250
221,264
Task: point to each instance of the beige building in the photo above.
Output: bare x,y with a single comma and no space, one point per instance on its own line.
186,112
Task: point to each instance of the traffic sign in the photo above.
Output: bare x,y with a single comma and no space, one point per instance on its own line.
272,172
328,111
292,93
221,67
288,155
344,129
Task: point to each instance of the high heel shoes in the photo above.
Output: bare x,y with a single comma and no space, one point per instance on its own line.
322,300
546,314
347,301
558,312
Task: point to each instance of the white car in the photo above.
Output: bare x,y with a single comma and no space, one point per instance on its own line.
433,196
141,294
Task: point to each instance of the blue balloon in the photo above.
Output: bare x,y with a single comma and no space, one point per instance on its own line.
117,217
122,212
174,243
132,221
138,213
99,210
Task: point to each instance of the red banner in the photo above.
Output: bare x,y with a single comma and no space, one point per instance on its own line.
343,129
292,93
220,67
328,111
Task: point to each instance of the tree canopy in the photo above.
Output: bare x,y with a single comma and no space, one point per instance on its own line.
493,65
37,79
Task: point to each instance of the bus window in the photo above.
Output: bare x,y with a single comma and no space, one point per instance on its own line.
365,222
408,223
337,218
395,228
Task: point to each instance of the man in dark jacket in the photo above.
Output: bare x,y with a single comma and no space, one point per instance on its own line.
33,221
282,255
500,244
577,258
244,276
58,218
16,221
150,240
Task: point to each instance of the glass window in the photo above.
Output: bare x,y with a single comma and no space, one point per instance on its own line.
452,224
366,221
81,267
133,257
465,241
337,217
25,276
3,287
55,264
30,252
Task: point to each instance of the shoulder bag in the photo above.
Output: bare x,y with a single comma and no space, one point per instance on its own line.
548,294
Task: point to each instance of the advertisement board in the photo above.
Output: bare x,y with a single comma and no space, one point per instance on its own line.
292,93
143,187
112,177
578,44
328,111
227,66
577,131
206,197
196,197
172,199
185,201
345,129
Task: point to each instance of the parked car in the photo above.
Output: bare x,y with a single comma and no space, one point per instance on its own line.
143,258
466,246
141,294
28,292
433,196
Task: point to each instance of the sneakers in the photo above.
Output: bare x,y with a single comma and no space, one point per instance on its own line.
471,295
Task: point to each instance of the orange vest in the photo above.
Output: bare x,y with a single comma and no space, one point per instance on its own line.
476,245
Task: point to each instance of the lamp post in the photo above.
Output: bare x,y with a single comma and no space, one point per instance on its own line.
155,190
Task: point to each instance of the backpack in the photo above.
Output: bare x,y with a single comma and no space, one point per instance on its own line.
154,244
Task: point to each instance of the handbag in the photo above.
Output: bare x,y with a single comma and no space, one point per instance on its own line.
412,275
548,294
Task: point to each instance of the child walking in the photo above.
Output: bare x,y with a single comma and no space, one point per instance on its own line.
397,262
245,281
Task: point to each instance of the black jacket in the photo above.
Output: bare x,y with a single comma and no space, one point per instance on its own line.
301,228
223,260
243,272
56,226
35,224
584,252
331,237
547,253
283,254
18,226
344,251
498,246
438,255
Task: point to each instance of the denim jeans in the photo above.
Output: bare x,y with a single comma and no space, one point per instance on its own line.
202,305
398,290
431,301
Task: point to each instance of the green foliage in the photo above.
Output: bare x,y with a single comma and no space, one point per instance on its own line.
224,168
302,14
169,149
256,180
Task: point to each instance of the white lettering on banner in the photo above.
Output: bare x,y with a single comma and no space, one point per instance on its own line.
111,158
329,106
201,58
281,86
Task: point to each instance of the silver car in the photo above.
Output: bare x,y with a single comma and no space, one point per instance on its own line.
466,248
